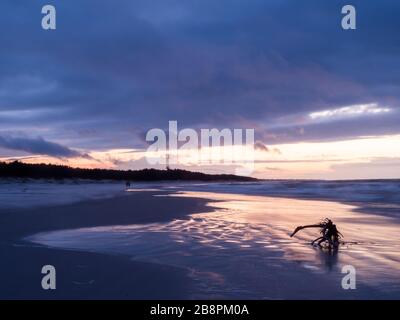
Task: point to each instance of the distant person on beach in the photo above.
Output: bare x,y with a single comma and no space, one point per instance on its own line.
329,233
127,185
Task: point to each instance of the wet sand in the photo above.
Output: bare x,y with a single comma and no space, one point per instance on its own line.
85,275
196,245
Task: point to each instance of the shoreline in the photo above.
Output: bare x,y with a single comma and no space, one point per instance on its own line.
87,275
115,275
96,212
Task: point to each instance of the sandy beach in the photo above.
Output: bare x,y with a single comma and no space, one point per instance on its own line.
83,275
168,243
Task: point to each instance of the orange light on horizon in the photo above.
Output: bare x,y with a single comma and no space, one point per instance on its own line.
305,160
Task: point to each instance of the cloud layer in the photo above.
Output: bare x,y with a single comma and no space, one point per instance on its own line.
113,70
39,146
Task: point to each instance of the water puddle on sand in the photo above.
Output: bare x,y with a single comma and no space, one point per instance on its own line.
243,248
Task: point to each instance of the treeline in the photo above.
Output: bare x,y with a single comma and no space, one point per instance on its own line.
18,169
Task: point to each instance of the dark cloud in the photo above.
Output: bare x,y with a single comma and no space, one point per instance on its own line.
258,145
113,70
39,146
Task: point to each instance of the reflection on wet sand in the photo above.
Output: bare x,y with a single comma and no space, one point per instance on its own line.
242,249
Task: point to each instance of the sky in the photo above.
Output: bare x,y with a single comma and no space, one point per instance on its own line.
323,101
